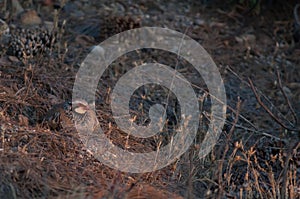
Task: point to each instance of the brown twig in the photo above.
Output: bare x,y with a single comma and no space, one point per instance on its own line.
228,138
267,109
294,145
247,83
285,97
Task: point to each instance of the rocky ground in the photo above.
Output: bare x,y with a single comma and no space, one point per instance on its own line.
255,47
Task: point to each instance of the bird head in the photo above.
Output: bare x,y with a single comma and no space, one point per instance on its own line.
80,106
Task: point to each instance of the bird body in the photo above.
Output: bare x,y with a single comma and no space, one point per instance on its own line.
64,115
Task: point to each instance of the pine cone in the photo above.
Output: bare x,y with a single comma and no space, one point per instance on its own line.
27,43
112,25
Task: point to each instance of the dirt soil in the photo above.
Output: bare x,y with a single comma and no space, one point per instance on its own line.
256,48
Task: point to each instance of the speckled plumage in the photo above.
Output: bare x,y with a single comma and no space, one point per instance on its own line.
63,116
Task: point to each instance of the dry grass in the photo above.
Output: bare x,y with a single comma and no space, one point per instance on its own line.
257,155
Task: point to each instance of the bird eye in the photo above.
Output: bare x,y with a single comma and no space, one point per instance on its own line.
68,105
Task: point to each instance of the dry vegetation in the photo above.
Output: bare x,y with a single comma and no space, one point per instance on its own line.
257,155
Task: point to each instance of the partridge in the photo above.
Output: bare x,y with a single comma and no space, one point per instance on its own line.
63,116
